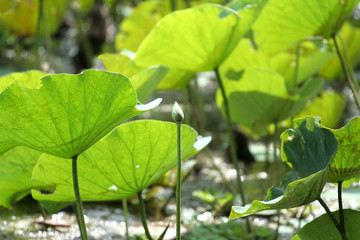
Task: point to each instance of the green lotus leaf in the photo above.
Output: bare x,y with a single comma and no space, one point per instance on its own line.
329,106
283,24
245,55
309,149
145,82
123,163
16,167
21,18
346,163
145,15
259,97
200,39
120,63
315,229
29,79
247,9
69,113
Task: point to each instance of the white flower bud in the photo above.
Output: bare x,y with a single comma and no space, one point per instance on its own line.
177,113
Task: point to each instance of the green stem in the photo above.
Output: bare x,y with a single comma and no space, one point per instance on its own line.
275,142
333,219
125,208
296,71
178,184
348,63
78,203
40,14
348,78
49,45
42,211
341,210
172,5
232,143
143,215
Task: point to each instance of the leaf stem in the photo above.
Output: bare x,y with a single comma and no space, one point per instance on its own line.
125,208
178,183
296,70
333,219
341,210
143,215
349,80
78,203
232,144
172,5
40,16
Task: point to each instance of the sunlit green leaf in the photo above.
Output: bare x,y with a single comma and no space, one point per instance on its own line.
329,106
284,23
200,39
16,167
246,55
145,82
120,63
309,149
29,79
259,97
126,161
145,15
315,229
69,113
346,163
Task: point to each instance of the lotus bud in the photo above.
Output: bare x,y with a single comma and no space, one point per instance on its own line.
177,113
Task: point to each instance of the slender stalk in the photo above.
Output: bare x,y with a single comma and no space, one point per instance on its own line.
333,219
178,184
232,143
348,62
125,208
78,203
172,5
40,15
275,142
143,215
341,210
348,78
42,210
296,71
49,45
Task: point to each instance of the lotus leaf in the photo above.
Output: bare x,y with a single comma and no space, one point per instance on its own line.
120,63
69,113
120,165
309,150
16,167
259,97
200,39
346,163
315,229
284,23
